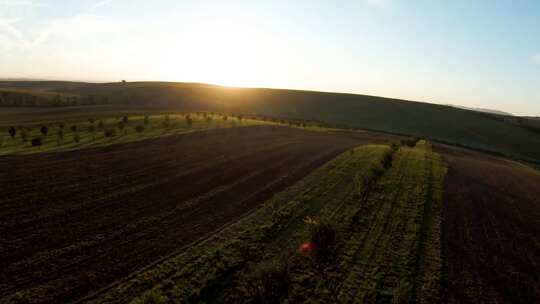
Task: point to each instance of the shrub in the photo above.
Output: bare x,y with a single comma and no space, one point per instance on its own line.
92,130
44,130
24,135
323,239
60,134
139,129
267,283
167,121
110,133
12,132
151,297
189,121
36,142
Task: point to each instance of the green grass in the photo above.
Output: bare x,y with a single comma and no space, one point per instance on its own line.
442,123
155,128
387,233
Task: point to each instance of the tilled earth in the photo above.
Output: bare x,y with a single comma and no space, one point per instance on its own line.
74,222
491,229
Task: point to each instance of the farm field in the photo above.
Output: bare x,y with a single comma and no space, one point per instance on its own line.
110,130
491,229
384,203
74,222
513,137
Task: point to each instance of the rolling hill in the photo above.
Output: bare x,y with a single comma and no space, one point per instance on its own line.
482,131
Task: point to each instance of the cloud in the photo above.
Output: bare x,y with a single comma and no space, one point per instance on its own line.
536,58
14,3
74,28
379,3
102,3
14,37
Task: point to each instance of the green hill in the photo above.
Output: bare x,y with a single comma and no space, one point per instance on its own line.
477,130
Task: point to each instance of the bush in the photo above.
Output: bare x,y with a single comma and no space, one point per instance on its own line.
44,130
92,130
36,142
139,129
167,121
110,133
24,135
151,297
12,132
323,239
60,134
267,283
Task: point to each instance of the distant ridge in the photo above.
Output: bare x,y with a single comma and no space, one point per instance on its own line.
501,133
489,111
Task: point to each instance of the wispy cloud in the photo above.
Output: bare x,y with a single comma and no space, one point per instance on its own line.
103,3
14,37
80,26
14,3
379,3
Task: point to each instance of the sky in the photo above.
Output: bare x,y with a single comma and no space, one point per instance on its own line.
472,53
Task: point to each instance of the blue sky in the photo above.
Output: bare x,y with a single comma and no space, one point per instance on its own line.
472,53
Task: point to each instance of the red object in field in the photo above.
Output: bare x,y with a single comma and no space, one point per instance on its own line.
306,247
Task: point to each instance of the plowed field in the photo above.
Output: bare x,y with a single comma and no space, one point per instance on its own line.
74,222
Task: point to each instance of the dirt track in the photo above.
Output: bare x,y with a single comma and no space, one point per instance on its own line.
71,223
491,229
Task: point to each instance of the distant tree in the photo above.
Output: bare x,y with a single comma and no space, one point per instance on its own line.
36,142
189,121
61,126
76,137
24,135
92,131
91,121
100,125
139,129
225,117
125,120
146,120
110,133
74,128
167,121
60,134
12,132
208,119
121,126
44,130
